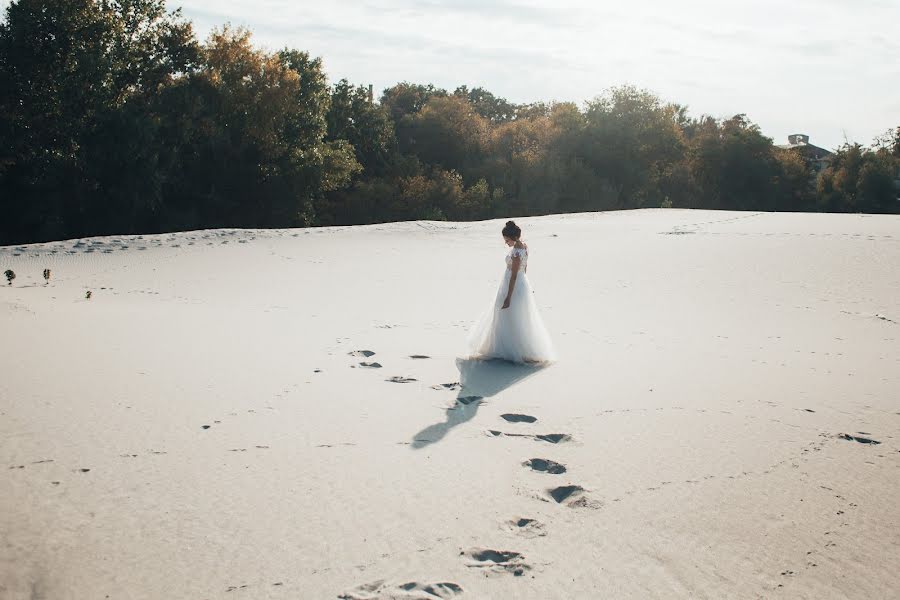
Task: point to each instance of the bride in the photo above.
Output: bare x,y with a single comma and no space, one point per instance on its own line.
512,328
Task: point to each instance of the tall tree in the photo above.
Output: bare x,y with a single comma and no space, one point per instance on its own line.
486,104
631,139
364,125
257,154
408,98
860,180
446,132
732,165
66,70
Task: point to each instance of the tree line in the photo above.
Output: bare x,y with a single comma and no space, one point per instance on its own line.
115,119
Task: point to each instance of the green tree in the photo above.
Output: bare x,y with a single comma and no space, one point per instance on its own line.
732,165
427,197
518,161
860,180
631,139
366,126
534,110
795,181
70,71
486,104
408,98
446,132
889,141
255,153
836,187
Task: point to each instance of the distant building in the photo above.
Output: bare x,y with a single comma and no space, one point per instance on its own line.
819,158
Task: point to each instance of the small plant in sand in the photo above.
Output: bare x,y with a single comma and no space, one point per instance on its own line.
47,275
88,295
10,275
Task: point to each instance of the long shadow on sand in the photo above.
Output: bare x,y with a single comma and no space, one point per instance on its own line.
479,379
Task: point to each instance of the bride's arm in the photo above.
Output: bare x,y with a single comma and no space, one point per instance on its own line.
514,267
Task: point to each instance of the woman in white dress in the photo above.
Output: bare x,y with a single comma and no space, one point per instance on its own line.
512,329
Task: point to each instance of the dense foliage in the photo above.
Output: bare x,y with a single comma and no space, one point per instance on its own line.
115,119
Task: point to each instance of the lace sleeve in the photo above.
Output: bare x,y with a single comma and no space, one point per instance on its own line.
518,253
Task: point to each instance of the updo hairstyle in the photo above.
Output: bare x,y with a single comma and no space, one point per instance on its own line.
512,231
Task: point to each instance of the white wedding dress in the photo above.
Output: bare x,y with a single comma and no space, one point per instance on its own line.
516,333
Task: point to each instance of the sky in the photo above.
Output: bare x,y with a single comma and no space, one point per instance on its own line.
826,68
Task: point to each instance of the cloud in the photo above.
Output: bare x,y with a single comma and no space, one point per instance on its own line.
497,10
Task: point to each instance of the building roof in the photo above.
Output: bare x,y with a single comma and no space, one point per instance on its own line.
801,141
808,147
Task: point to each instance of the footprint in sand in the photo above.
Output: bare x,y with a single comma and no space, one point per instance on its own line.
565,492
418,356
861,440
529,528
36,462
552,438
497,561
446,386
413,590
397,379
363,353
514,418
544,465
370,365
572,496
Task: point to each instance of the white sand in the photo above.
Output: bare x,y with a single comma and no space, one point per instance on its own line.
704,381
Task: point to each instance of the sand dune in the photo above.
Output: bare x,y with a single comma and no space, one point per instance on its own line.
282,414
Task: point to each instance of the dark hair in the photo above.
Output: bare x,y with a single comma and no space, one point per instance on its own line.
512,231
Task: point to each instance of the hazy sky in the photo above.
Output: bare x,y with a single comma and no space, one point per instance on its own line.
827,68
